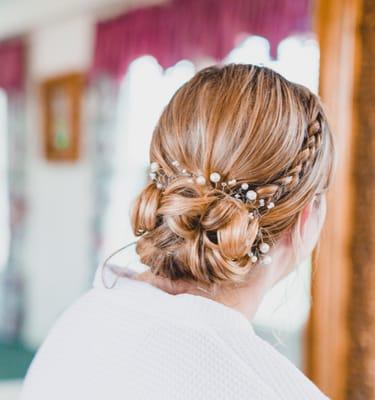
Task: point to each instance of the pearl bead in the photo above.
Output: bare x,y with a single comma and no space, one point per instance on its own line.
251,195
267,260
261,202
154,166
201,180
159,185
232,182
251,215
215,177
271,205
254,259
152,175
264,247
244,186
175,163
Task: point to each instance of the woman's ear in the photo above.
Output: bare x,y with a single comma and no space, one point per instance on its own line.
300,227
305,215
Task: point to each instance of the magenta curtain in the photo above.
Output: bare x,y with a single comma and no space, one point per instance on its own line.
12,63
188,29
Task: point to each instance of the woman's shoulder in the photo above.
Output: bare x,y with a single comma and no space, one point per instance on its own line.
187,347
209,336
280,374
201,358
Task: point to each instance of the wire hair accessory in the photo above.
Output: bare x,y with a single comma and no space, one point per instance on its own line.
105,262
245,192
118,272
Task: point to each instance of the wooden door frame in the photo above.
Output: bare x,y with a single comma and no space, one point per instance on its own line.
336,24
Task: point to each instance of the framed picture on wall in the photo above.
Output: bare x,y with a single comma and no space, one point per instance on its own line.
61,107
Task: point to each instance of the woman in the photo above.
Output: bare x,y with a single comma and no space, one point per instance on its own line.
240,160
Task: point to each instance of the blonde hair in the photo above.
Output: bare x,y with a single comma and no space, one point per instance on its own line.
249,124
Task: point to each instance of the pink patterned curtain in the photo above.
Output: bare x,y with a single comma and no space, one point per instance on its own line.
188,29
12,63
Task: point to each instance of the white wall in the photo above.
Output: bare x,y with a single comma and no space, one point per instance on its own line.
57,257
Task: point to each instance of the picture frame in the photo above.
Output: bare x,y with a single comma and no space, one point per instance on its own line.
61,109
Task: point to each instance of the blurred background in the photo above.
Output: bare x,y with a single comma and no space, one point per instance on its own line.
82,84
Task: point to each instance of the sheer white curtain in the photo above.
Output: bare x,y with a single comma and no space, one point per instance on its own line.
4,197
144,92
12,212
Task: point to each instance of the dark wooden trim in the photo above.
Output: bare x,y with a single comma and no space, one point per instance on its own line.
328,334
361,374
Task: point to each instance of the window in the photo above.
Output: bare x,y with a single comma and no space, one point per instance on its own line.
297,58
145,91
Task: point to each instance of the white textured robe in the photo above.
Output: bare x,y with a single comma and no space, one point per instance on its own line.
137,342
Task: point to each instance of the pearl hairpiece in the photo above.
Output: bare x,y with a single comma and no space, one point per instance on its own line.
245,193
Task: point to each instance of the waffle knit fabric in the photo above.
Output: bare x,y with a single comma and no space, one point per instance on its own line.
137,342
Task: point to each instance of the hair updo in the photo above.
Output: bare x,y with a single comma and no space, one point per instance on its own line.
249,124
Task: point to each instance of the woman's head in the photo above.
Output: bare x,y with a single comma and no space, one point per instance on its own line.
252,127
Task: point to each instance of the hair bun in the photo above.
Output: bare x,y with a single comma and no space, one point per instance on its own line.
196,232
144,212
182,205
235,231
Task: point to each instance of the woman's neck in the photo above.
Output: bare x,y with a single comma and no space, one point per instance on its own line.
245,298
